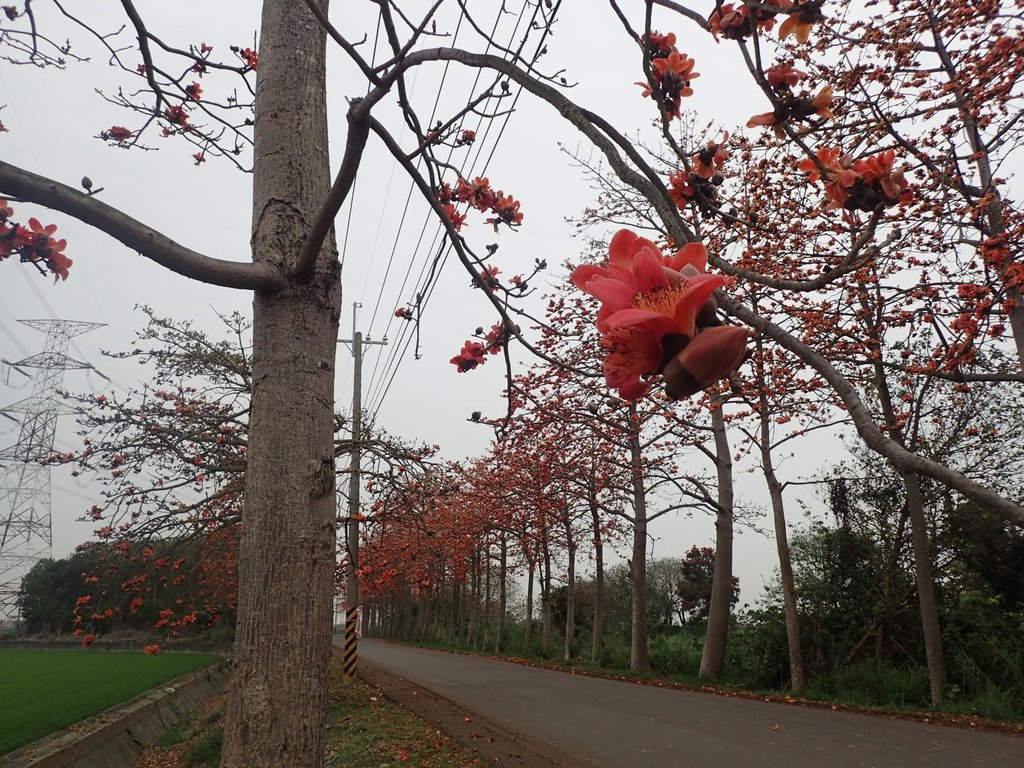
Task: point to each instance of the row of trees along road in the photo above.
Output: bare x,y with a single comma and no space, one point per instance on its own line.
863,223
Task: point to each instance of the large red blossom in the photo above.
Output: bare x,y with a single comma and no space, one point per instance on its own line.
653,306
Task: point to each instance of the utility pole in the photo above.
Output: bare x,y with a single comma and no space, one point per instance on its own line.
354,484
26,532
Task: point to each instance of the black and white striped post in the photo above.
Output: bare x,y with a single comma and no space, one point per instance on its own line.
351,641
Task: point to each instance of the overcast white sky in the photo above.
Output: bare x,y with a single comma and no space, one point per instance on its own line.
54,116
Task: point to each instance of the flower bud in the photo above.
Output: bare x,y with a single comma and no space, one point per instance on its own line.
711,355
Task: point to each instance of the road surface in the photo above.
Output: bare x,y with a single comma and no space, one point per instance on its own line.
572,720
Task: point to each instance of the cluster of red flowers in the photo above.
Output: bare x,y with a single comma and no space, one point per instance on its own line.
118,134
658,317
858,185
671,73
34,244
734,21
177,115
474,353
737,21
487,278
248,56
479,195
997,256
791,107
697,186
689,187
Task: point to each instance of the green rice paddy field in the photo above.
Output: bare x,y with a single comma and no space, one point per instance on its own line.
43,691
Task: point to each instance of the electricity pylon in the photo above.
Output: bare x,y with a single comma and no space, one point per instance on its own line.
26,533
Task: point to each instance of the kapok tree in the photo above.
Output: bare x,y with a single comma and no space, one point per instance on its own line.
277,705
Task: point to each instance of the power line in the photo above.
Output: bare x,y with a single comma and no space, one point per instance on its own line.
424,290
398,356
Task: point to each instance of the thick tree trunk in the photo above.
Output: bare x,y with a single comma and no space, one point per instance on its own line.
528,629
639,655
473,630
545,599
570,597
499,644
278,701
926,589
789,607
713,658
486,614
596,645
919,538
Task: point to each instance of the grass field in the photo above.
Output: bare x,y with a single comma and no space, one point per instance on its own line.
42,691
364,730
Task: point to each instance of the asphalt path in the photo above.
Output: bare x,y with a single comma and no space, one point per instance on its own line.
588,721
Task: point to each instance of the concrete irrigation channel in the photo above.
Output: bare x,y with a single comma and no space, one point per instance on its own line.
115,737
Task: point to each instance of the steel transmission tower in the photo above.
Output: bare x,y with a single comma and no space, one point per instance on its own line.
25,530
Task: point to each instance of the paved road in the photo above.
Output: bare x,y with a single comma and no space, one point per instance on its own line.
621,725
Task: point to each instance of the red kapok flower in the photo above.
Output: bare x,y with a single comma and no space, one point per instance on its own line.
471,355
733,22
860,185
672,76
711,355
117,133
651,305
659,46
506,210
152,649
709,160
488,277
250,57
795,108
478,194
457,219
802,17
783,76
43,247
176,115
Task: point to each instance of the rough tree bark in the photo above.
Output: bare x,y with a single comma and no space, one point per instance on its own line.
639,654
713,658
788,582
570,592
499,643
277,707
925,588
528,630
545,599
596,645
